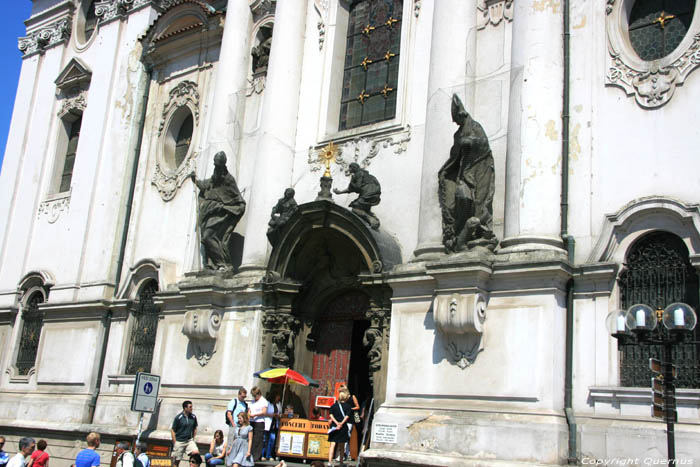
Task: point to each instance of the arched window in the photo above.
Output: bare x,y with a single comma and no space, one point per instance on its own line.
657,272
184,137
371,69
32,322
90,20
657,27
143,330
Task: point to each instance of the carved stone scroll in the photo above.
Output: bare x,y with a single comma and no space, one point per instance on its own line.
459,318
202,329
48,36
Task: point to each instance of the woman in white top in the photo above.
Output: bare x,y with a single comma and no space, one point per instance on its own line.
217,449
258,413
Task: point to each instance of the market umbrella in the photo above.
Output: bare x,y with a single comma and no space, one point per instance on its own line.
284,376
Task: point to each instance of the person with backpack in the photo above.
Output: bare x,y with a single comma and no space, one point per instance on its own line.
125,458
142,459
235,406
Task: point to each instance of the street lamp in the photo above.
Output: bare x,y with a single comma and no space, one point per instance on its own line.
639,325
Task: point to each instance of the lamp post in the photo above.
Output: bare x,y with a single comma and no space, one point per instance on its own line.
639,325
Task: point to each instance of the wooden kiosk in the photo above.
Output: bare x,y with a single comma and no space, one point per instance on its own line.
303,439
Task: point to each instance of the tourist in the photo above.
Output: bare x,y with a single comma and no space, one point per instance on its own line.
125,458
217,449
339,433
26,448
354,422
4,457
239,451
258,413
141,456
40,458
236,406
289,411
89,457
195,459
316,414
271,423
183,431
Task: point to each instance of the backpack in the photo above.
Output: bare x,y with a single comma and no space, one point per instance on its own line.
137,462
232,411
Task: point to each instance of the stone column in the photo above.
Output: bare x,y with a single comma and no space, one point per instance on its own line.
275,155
533,165
452,62
231,74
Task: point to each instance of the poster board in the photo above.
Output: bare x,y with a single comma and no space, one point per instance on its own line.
302,438
159,455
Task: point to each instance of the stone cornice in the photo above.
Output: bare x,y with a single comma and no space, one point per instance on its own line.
55,33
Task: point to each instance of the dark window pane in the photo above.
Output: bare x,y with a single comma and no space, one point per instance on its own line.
90,20
371,62
184,137
69,161
657,27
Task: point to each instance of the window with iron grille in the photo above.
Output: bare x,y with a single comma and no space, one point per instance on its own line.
371,69
657,273
143,331
32,322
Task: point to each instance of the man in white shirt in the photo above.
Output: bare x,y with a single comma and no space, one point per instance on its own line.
125,458
140,453
26,448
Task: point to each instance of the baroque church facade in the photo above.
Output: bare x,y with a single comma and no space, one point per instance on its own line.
516,170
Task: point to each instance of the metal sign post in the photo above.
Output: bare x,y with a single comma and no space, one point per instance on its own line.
145,396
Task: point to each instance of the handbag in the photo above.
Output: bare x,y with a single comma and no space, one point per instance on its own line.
356,416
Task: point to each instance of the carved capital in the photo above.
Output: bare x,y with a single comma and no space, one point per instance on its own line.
262,8
74,102
48,36
183,94
54,206
494,12
107,10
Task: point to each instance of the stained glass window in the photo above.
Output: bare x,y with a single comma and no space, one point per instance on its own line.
657,27
657,273
143,331
32,322
371,70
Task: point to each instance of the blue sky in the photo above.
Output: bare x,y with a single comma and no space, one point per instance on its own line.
11,27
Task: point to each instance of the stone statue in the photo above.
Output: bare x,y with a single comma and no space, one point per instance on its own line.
221,206
367,186
281,212
466,186
261,55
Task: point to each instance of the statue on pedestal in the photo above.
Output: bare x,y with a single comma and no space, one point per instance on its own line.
221,206
367,186
466,186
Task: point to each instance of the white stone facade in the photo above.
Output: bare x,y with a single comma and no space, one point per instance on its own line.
484,388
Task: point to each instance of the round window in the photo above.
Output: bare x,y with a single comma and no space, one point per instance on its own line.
178,137
657,27
86,21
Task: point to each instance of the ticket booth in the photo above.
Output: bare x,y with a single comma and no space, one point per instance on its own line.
303,439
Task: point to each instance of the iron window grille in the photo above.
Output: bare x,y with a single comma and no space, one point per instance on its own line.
32,323
657,273
371,71
143,331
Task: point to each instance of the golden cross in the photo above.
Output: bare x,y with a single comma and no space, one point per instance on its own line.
368,29
388,55
327,155
390,22
366,61
386,91
663,18
363,95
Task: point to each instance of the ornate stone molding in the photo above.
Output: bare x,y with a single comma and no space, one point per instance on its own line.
54,206
322,7
108,10
185,93
416,8
363,149
48,36
493,12
73,102
283,328
262,8
202,329
256,84
460,318
167,182
652,83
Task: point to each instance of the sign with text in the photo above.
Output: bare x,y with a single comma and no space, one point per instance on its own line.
145,395
304,425
291,443
317,446
325,402
385,433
